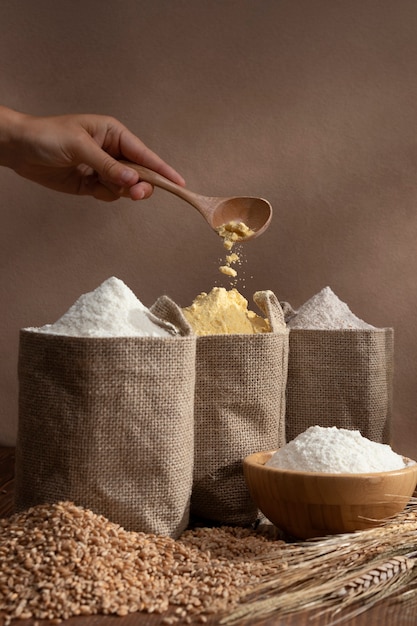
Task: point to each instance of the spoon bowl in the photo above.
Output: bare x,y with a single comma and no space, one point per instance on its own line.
256,213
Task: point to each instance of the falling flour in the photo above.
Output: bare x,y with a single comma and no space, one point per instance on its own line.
232,233
335,450
325,311
111,310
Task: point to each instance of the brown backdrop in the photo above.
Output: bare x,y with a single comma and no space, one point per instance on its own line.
312,105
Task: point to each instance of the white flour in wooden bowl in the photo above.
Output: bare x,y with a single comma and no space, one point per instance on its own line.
111,310
326,311
335,450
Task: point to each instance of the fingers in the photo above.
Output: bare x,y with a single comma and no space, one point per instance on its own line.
140,191
118,178
108,169
149,159
135,150
106,191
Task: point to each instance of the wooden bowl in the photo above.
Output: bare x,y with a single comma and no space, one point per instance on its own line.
315,504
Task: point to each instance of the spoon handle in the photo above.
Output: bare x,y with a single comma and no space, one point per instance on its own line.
164,183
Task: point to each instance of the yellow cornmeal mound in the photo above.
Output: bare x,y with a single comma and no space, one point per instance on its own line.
223,312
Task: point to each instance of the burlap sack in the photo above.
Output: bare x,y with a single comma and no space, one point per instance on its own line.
108,424
239,409
340,378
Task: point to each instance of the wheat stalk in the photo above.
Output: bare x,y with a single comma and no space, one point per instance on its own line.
372,586
335,595
346,573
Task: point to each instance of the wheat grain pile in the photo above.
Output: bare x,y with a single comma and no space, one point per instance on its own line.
61,560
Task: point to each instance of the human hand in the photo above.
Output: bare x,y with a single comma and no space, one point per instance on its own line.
78,154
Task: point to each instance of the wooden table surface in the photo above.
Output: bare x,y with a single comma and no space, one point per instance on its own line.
381,615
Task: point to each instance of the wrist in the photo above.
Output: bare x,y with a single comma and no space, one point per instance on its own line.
11,130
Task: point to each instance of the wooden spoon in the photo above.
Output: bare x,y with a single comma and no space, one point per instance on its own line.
256,213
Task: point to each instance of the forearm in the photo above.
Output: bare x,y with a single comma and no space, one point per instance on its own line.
11,128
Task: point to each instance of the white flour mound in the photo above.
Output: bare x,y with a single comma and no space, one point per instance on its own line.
325,311
111,310
335,450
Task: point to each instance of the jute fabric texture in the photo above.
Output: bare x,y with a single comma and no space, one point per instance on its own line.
108,423
239,409
340,378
